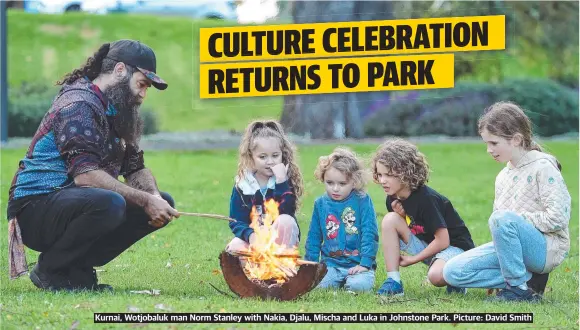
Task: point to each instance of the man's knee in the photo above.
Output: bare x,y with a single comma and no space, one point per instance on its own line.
110,205
167,197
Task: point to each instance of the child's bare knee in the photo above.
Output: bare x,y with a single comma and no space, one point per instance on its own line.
391,220
435,274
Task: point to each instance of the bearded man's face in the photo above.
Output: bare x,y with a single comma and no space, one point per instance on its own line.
128,122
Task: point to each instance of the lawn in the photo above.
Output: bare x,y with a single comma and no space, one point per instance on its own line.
43,48
182,260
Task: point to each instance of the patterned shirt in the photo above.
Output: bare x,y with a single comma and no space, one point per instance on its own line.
75,136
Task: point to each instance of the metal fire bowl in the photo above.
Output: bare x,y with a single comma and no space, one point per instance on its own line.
306,279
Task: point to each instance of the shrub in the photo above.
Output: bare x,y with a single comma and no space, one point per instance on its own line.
553,109
28,104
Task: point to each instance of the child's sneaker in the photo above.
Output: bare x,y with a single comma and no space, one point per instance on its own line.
454,289
391,288
513,293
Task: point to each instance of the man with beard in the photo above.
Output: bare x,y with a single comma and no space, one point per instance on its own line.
65,199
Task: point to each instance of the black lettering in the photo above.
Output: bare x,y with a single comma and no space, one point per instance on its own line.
422,37
334,68
350,75
307,41
404,36
436,27
231,79
375,71
245,49
425,72
461,34
231,47
280,78
216,81
343,39
212,45
258,37
356,44
386,38
313,75
263,79
298,78
408,69
480,34
448,35
391,75
370,38
275,45
293,42
326,40
247,78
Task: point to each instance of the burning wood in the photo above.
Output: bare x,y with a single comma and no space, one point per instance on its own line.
307,277
269,269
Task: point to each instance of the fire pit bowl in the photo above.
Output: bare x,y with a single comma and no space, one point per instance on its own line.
306,279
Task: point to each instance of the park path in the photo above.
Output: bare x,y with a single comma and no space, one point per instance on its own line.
209,140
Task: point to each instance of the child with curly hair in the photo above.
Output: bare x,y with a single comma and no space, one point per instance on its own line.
421,221
344,227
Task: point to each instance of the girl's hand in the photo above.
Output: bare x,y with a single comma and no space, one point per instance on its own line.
398,208
280,171
357,269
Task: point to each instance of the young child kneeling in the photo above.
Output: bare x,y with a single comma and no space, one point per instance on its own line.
421,222
344,227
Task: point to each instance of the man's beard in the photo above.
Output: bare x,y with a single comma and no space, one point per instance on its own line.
128,122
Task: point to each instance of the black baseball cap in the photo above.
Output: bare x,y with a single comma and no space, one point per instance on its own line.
138,55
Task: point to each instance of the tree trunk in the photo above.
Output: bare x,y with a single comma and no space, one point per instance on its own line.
326,116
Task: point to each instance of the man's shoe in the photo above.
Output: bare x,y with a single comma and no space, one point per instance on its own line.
513,293
85,279
454,289
50,282
538,282
391,288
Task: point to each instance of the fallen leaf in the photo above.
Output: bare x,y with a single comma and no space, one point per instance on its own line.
152,236
186,266
75,325
45,314
153,292
133,309
100,270
216,271
567,270
222,310
9,317
166,245
162,307
169,265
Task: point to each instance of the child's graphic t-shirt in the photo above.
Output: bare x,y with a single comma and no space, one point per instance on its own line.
427,210
343,233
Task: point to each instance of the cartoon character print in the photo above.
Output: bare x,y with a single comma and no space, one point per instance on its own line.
332,226
415,228
348,218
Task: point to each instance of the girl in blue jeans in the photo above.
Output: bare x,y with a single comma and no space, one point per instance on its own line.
344,228
531,211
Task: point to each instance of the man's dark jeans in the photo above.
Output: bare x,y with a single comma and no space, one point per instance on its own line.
82,227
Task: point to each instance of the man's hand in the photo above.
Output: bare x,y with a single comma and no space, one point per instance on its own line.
407,261
357,269
280,171
398,208
159,211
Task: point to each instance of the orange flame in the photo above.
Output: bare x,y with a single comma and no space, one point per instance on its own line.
265,262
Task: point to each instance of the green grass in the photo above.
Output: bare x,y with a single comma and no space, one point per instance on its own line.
43,48
201,182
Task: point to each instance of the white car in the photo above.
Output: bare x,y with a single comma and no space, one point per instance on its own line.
64,6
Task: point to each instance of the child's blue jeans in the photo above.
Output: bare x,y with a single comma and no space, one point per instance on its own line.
518,249
338,277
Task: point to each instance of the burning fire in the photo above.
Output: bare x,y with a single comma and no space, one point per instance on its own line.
268,260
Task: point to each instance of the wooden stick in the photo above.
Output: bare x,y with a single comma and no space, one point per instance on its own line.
248,254
207,215
306,262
